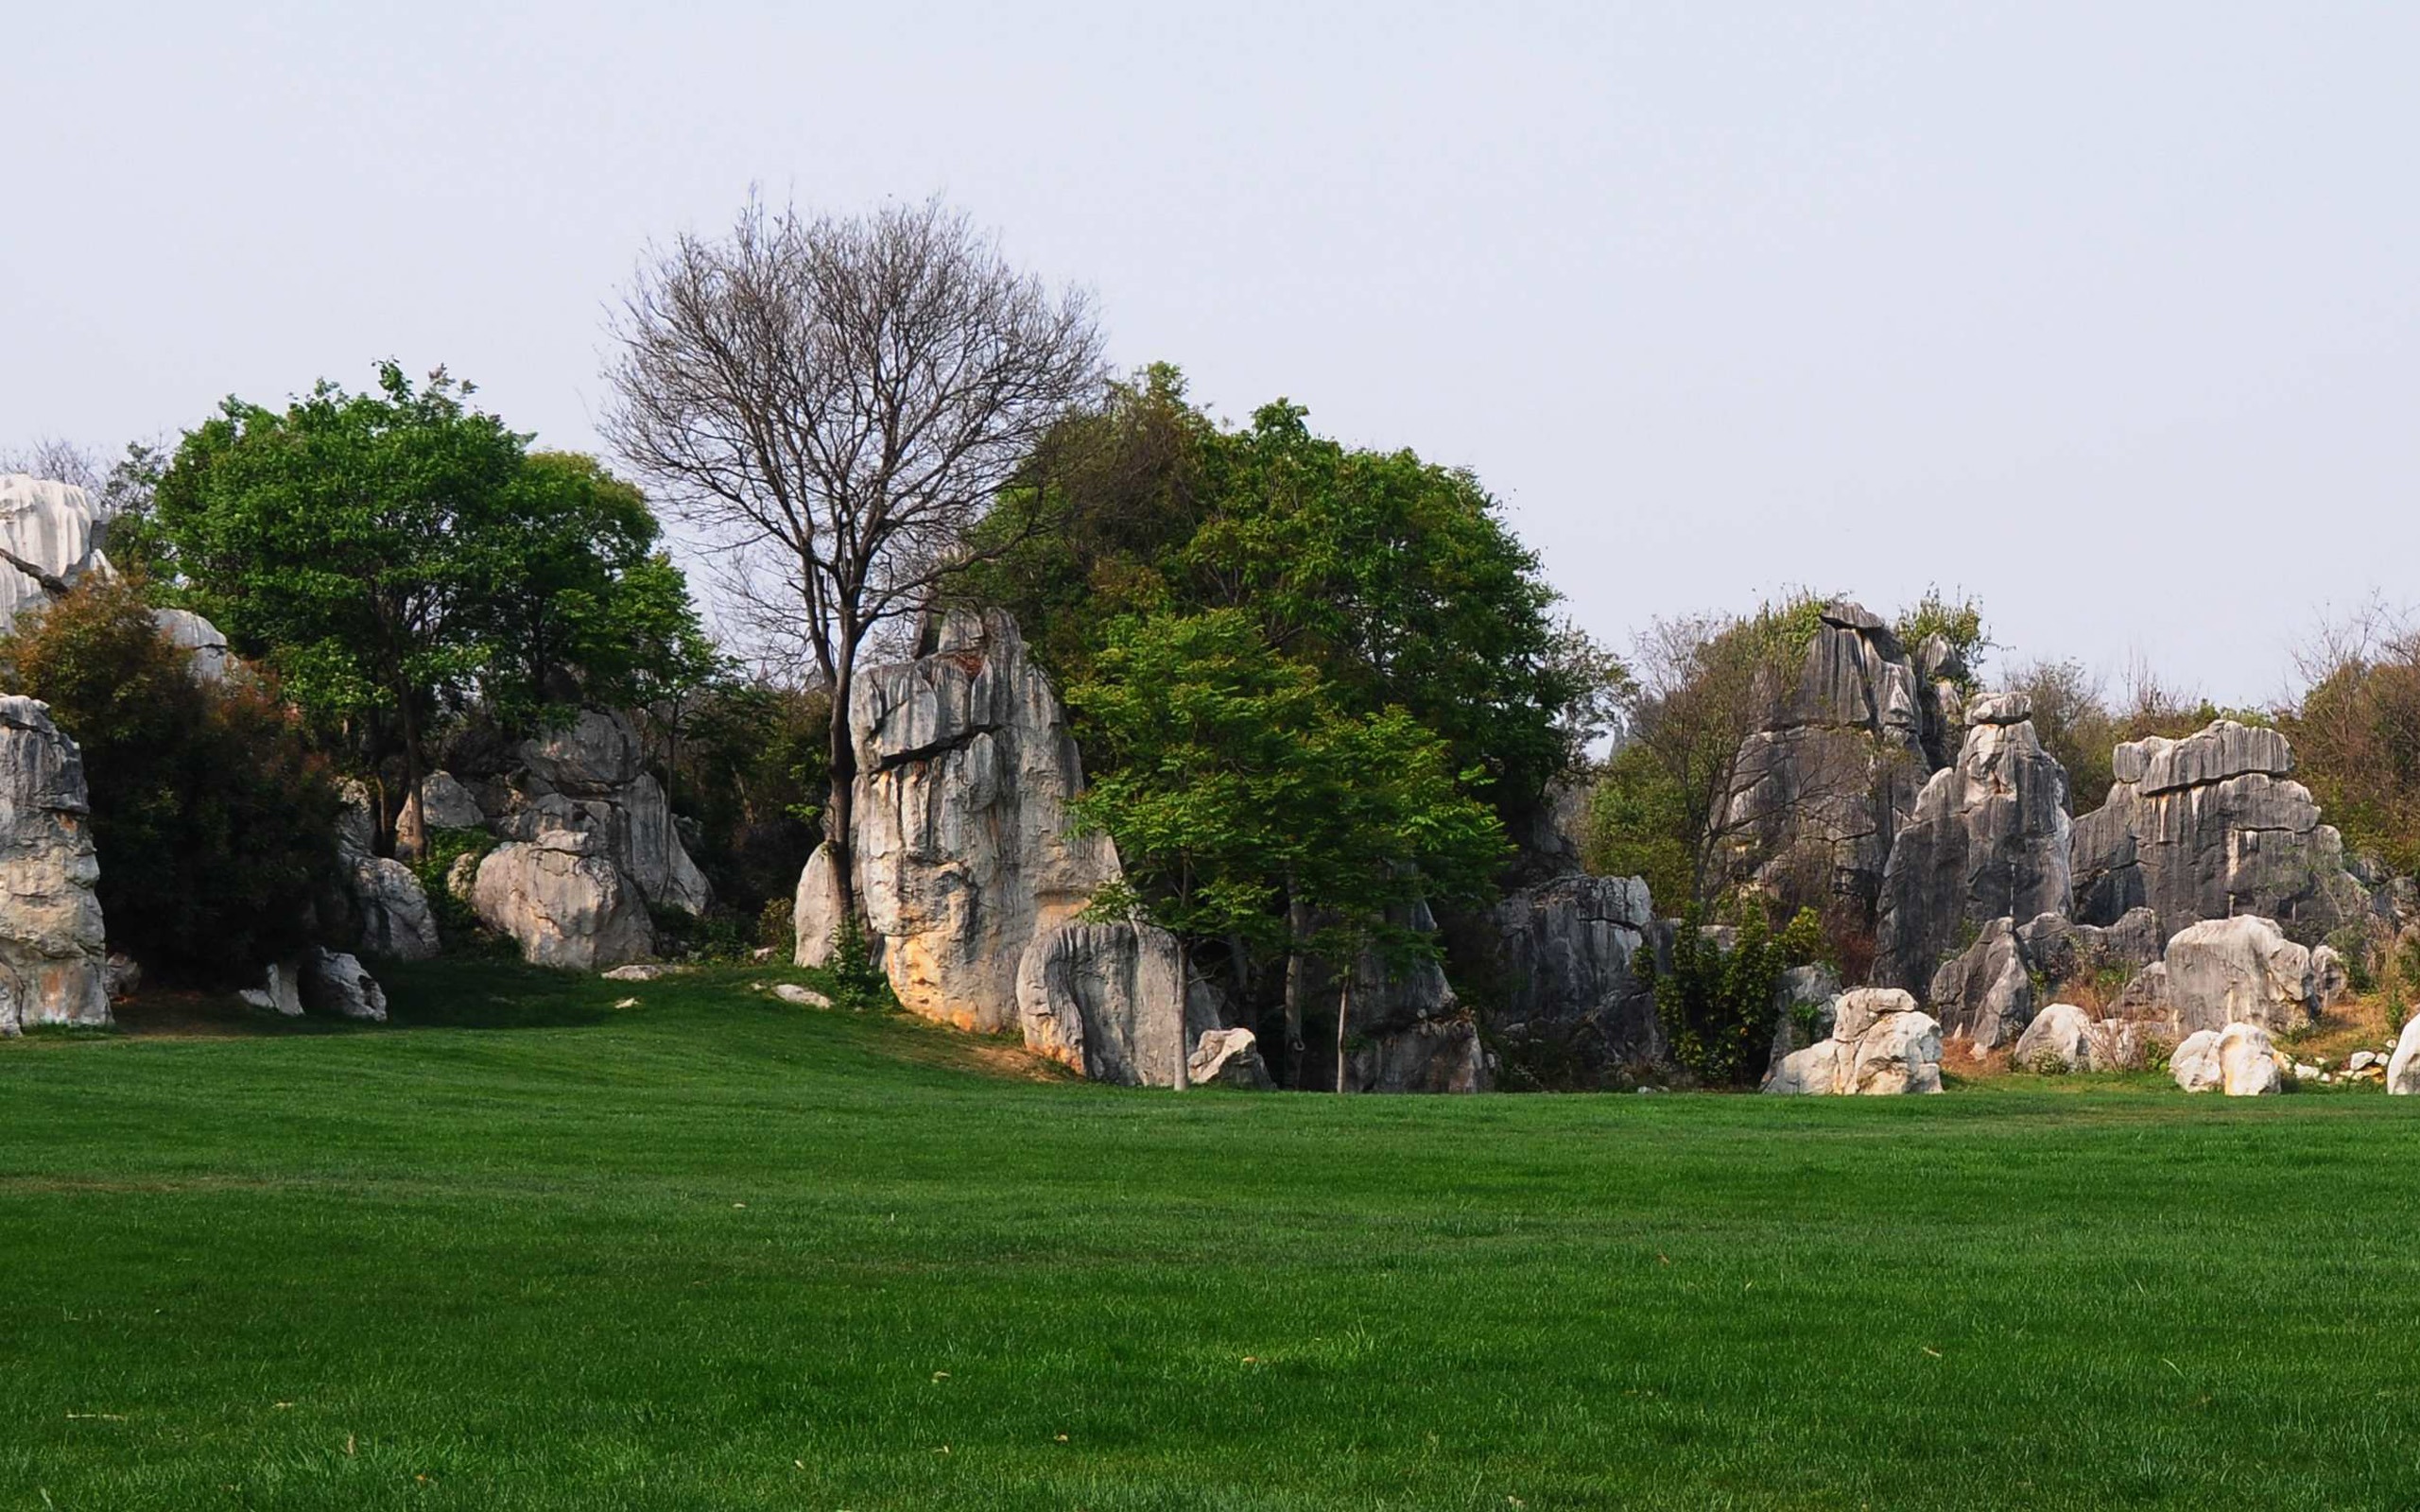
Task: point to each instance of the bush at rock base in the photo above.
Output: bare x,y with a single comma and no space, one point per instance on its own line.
215,824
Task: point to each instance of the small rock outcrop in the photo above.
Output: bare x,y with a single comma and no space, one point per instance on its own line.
963,853
2244,969
2065,1038
1818,795
53,958
2209,827
1102,1000
1228,1058
1881,1044
1987,840
199,640
336,984
2238,1059
1985,993
383,908
592,774
559,895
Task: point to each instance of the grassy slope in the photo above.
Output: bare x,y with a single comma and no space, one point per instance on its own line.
713,1252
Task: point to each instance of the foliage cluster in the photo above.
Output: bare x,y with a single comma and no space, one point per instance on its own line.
215,822
1719,1007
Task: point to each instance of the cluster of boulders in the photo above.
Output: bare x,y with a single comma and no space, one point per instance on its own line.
1874,1042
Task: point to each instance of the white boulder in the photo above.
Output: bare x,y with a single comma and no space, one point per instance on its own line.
1881,1044
2244,969
1103,1000
1227,1057
2238,1059
563,904
2403,1067
336,985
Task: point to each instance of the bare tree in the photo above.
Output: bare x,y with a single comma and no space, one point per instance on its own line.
834,402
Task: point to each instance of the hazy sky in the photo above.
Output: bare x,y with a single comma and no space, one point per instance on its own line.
2103,313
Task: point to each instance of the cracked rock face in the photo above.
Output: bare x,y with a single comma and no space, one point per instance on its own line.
1988,840
51,525
53,960
2211,826
1564,951
597,765
1820,793
2238,971
1099,999
963,851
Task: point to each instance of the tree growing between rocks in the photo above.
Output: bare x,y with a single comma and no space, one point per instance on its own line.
395,554
835,401
1250,806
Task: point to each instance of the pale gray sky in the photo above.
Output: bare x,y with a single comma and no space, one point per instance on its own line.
2105,313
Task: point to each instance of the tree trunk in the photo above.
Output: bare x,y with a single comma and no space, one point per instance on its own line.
1296,917
412,804
1183,992
839,816
1343,1011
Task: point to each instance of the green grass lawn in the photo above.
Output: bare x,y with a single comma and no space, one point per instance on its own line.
524,1250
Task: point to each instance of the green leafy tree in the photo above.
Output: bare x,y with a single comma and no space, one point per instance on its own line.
1719,1007
215,823
393,554
1248,804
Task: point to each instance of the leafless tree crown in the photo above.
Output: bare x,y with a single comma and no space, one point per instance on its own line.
834,402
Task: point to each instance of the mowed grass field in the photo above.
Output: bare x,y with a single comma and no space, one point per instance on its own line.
526,1249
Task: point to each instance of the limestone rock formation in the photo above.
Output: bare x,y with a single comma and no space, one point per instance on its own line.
2331,978
336,984
2237,971
1985,993
815,913
382,903
2238,1059
596,766
53,959
2403,1067
1563,955
1987,840
2211,826
1102,1000
280,993
51,527
1228,1058
559,894
2065,1038
1820,791
963,853
200,639
1881,1044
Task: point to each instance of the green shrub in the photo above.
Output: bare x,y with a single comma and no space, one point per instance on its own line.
457,925
1718,1007
851,977
215,824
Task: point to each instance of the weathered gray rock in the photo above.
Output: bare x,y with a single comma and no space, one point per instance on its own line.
336,985
53,958
1987,840
804,997
1228,1058
2209,827
2065,952
1103,1000
385,909
2237,971
2331,979
2403,1067
562,900
121,976
200,639
1805,1007
1565,953
1941,672
964,855
638,972
1818,795
2058,1039
1881,1044
815,913
597,763
280,993
1985,993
